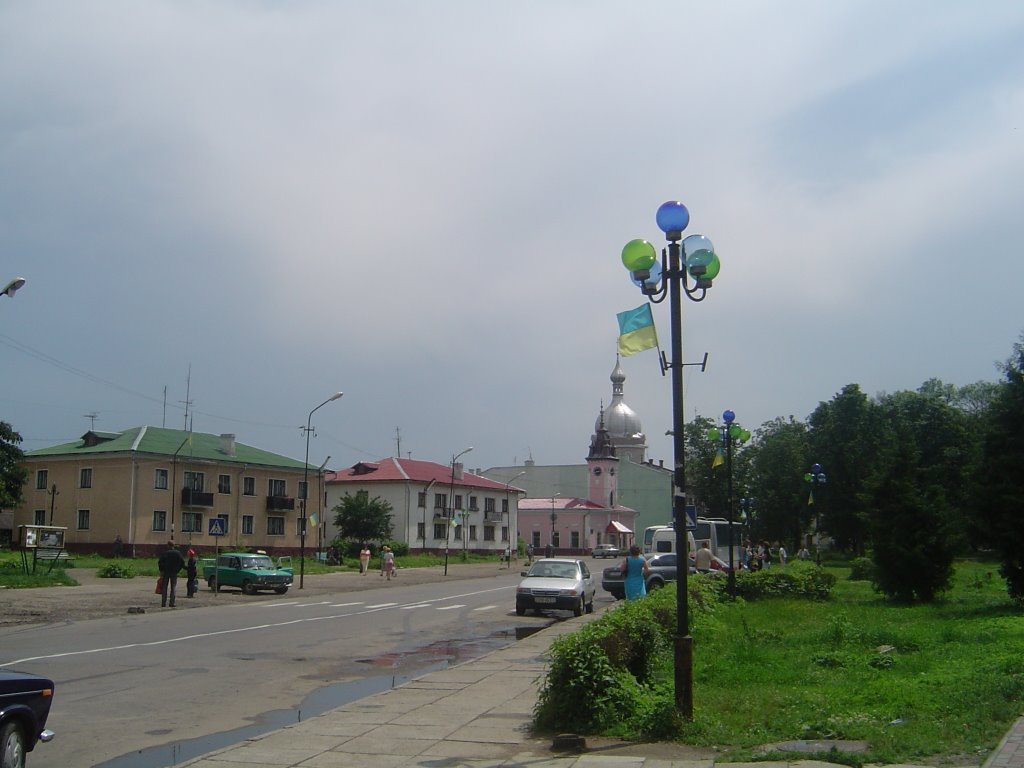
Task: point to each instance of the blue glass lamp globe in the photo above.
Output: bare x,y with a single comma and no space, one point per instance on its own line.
728,417
672,217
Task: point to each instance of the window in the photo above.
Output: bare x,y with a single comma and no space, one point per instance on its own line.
489,505
504,533
223,519
247,525
472,533
421,531
160,479
85,479
248,486
421,499
554,539
194,481
192,522
535,539
472,504
504,506
42,477
488,533
439,530
300,526
159,520
83,519
40,517
458,501
457,534
277,488
303,490
275,526
574,538
224,484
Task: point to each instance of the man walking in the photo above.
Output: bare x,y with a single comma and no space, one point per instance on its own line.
170,564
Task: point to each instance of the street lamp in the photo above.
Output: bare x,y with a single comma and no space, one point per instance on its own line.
305,489
451,509
814,478
12,287
693,258
512,539
728,434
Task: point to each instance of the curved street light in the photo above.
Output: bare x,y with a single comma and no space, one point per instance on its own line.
12,287
691,259
451,508
305,489
508,517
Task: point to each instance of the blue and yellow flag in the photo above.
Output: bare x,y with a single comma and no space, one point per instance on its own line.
636,330
313,518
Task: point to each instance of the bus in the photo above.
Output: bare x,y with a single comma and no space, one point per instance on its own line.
714,530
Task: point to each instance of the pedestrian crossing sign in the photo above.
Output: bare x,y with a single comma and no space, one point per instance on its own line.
217,527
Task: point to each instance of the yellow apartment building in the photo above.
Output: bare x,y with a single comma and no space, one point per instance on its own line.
151,485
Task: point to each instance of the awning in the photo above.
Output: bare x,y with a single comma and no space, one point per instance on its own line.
616,527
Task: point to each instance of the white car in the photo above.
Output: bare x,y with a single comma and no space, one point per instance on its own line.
558,583
605,550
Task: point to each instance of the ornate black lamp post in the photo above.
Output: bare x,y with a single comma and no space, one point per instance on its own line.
729,433
815,478
451,510
681,261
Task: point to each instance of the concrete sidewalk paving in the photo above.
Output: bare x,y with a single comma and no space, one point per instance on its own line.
478,714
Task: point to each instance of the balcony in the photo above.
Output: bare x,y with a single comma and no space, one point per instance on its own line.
280,503
442,513
192,498
493,517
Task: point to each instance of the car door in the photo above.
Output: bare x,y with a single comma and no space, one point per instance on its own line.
589,587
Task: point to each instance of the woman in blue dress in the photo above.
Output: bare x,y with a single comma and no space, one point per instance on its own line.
634,568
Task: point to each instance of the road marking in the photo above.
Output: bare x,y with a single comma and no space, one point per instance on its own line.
310,605
345,605
485,608
239,630
414,605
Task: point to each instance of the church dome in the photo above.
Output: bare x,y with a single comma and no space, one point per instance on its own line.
619,419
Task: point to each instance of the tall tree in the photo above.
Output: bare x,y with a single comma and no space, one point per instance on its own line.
779,457
13,472
1000,486
360,518
844,438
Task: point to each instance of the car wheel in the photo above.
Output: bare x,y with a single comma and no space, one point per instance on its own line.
589,608
248,587
212,582
280,590
12,746
578,608
654,584
520,610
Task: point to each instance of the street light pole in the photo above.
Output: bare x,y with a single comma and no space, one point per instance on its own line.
305,490
815,478
451,509
694,257
729,433
12,287
512,538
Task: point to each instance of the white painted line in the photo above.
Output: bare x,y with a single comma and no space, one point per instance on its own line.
485,608
310,605
273,605
414,605
380,605
345,605
450,607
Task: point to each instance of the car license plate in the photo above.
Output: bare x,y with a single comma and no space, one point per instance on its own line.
544,599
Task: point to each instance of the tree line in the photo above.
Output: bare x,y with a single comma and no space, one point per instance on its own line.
913,478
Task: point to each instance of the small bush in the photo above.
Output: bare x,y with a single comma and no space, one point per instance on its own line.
801,580
116,571
862,569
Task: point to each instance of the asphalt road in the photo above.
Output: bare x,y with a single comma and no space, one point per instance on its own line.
137,681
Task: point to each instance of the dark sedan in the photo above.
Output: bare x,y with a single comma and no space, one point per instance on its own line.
661,568
24,706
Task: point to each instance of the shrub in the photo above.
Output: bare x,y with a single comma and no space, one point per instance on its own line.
116,571
862,569
801,580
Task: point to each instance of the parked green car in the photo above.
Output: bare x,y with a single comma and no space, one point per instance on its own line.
247,571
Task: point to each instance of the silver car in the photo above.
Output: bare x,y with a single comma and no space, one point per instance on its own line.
558,583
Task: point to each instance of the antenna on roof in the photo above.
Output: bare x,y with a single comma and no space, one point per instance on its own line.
92,419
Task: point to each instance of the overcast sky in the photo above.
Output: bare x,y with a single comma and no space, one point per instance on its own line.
424,203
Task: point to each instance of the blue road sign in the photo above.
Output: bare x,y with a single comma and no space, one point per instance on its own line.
217,527
691,517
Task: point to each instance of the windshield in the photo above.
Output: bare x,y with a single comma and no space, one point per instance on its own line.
554,570
259,563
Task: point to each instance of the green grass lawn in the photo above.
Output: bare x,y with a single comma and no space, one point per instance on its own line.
945,679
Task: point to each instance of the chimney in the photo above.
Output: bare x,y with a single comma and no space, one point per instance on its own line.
227,444
457,470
